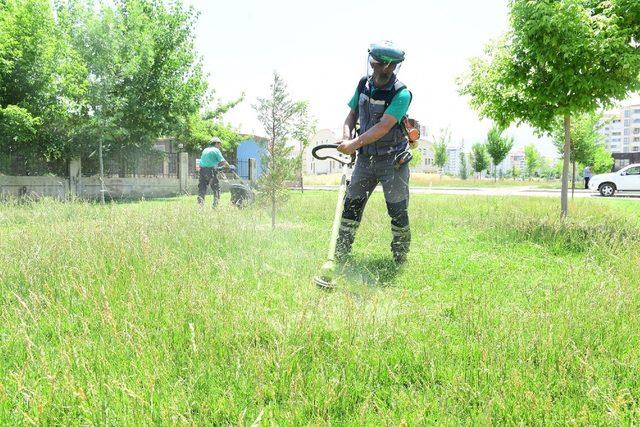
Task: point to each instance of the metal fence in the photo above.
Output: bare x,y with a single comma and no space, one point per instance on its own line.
147,164
243,169
31,165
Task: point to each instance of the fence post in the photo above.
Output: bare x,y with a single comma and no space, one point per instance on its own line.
183,171
252,170
75,175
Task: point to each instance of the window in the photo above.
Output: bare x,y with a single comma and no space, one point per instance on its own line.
620,163
615,121
627,122
627,113
636,111
616,133
633,171
636,131
626,140
636,139
627,131
636,148
636,121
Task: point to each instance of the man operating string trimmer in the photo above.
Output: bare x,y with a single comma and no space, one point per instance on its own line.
379,105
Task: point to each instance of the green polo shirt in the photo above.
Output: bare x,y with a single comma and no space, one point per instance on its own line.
211,157
397,108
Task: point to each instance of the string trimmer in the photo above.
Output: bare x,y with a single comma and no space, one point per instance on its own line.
326,278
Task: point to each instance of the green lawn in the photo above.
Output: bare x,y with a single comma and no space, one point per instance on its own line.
158,312
435,180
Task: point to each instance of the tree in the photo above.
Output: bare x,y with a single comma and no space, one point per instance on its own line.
560,58
547,169
304,129
417,159
531,159
440,144
42,83
498,147
463,164
515,172
585,140
479,158
144,76
196,131
602,160
279,116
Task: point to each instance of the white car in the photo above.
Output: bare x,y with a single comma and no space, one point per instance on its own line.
626,179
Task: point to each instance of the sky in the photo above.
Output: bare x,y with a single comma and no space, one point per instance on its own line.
320,50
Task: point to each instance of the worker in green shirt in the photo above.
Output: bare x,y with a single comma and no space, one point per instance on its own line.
210,160
378,105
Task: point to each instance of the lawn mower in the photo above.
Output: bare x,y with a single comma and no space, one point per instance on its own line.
241,193
326,278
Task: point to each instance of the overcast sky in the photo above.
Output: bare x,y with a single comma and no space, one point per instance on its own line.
320,49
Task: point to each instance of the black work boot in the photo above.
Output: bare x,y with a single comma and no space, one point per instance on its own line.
400,243
346,236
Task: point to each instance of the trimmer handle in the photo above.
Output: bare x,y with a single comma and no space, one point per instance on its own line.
341,160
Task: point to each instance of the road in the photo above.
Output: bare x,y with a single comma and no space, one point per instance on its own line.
497,191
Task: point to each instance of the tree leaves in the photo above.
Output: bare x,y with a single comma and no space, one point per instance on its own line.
440,144
479,157
281,118
145,78
498,146
559,57
585,137
532,159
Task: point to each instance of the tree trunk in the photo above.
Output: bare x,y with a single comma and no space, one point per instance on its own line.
573,180
301,173
101,172
273,211
301,183
564,193
272,164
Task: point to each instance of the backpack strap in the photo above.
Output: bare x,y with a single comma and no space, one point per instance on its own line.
361,84
397,87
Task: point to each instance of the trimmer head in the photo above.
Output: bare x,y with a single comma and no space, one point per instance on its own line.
325,280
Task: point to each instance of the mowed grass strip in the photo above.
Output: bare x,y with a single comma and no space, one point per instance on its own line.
158,312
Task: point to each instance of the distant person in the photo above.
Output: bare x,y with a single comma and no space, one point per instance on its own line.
210,159
587,176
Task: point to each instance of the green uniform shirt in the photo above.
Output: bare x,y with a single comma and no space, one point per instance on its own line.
211,157
398,107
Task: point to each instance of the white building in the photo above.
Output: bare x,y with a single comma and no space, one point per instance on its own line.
514,158
427,164
321,167
622,128
452,166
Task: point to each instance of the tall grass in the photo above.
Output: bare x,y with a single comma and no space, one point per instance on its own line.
435,180
162,313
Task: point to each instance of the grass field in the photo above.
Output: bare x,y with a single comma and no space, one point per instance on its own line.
158,312
435,180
